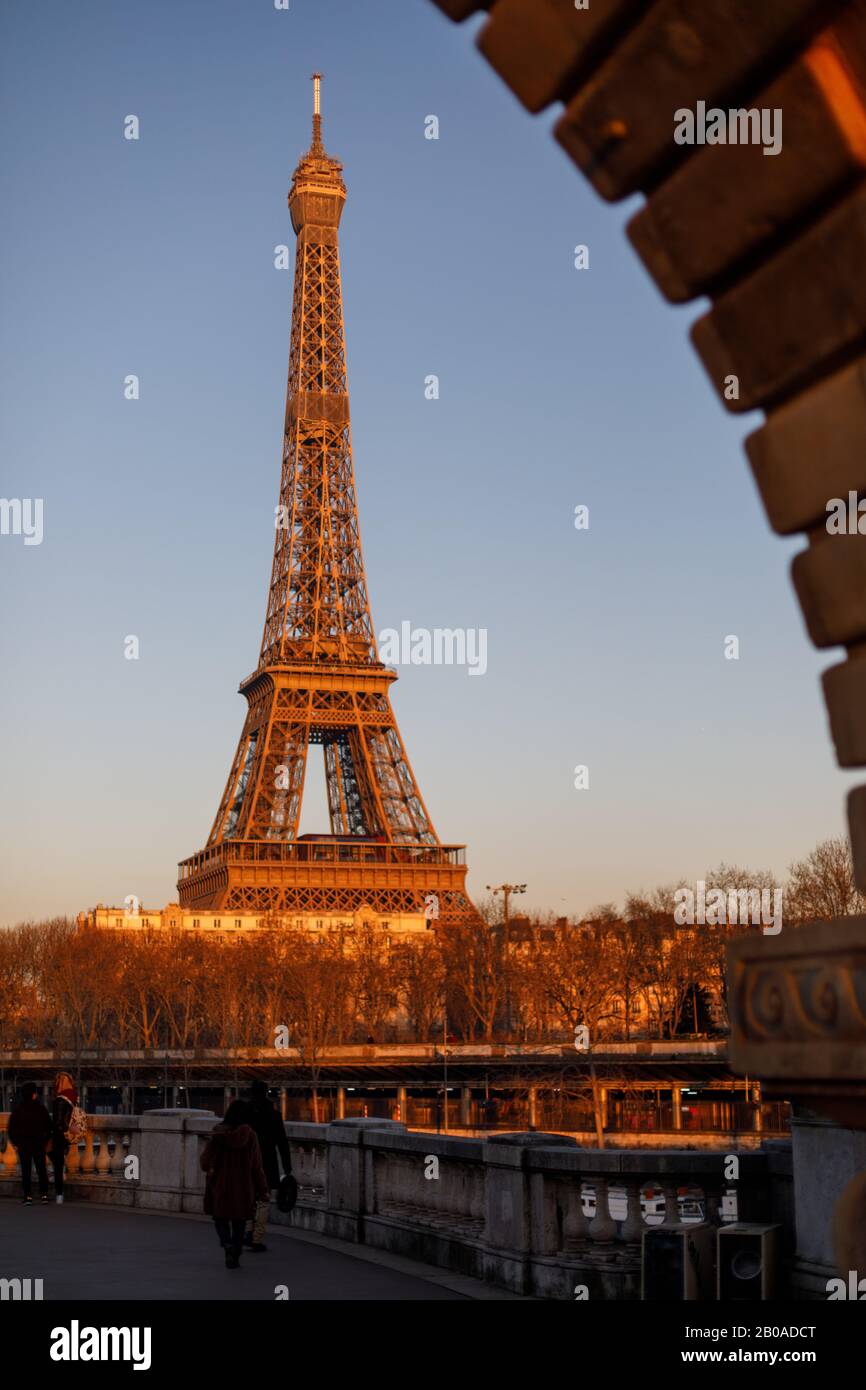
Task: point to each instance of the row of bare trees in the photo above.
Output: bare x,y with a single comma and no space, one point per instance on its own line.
157,990
619,975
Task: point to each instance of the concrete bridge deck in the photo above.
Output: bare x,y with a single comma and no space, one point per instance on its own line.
86,1251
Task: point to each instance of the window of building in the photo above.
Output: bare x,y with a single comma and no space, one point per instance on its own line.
237,921
196,921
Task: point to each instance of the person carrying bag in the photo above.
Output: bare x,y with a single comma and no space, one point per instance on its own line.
68,1126
271,1134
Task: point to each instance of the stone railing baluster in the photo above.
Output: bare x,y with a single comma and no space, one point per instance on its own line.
712,1204
575,1222
102,1163
602,1227
8,1161
632,1228
672,1206
74,1164
126,1140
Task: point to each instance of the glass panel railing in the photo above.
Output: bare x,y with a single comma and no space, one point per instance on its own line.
320,852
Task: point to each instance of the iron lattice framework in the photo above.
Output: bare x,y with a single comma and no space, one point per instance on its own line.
319,679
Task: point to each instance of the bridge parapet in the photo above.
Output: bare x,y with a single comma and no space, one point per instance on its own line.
536,1214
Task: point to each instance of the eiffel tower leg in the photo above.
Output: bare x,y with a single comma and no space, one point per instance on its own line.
232,797
262,799
405,813
275,805
349,801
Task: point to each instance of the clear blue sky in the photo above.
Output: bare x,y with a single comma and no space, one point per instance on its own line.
558,387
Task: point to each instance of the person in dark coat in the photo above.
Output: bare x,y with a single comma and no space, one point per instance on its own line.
29,1132
65,1099
236,1179
271,1134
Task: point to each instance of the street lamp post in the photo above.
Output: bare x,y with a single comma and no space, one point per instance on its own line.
445,1067
506,889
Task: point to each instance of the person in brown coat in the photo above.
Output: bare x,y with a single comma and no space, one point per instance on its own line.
236,1179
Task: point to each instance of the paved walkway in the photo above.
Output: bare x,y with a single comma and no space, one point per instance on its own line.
86,1251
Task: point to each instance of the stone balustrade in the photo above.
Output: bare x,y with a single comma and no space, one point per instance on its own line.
99,1155
532,1213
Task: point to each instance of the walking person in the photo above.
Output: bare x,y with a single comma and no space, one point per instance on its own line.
62,1112
271,1134
29,1132
235,1178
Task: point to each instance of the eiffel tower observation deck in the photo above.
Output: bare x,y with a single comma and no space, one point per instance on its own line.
319,680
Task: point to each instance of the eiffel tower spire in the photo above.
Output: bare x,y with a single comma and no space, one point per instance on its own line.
317,148
319,681
317,607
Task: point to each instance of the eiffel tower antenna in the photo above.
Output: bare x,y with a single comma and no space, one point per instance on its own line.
319,681
317,113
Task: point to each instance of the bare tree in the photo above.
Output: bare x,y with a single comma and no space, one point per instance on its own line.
580,985
318,979
374,981
822,886
476,981
421,974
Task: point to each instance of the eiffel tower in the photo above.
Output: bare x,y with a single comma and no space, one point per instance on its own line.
319,680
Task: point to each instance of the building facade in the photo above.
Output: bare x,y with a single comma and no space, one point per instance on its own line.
229,926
